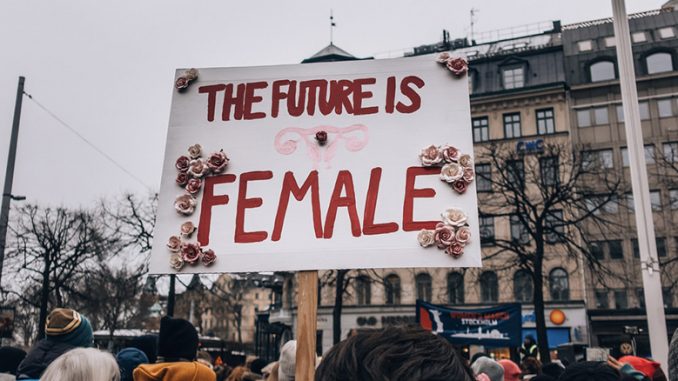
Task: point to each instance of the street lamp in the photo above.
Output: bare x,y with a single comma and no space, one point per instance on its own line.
14,197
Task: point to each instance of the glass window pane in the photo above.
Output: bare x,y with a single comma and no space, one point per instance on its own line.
664,107
661,246
659,63
559,285
512,125
596,249
610,42
513,78
585,46
644,110
667,32
673,198
615,249
601,299
584,118
606,158
487,231
620,299
671,152
638,37
655,200
620,113
602,71
600,115
649,154
625,156
636,248
545,122
481,129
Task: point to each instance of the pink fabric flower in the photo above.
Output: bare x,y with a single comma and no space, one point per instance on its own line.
193,186
176,262
182,179
174,244
443,235
181,83
455,250
182,164
450,153
458,66
451,172
430,156
469,174
191,74
426,237
198,168
443,58
466,161
460,186
217,161
187,229
190,252
463,236
195,151
208,257
454,217
185,204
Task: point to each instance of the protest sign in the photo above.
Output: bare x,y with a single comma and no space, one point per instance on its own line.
318,166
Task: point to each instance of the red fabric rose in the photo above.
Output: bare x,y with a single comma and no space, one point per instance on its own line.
208,257
181,83
193,186
182,164
460,186
321,137
190,252
458,66
217,161
455,250
443,236
182,179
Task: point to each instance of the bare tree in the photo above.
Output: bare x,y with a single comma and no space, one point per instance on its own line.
555,202
134,218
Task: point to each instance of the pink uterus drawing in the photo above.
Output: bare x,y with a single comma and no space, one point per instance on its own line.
354,137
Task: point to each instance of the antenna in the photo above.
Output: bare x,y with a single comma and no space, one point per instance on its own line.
332,25
473,21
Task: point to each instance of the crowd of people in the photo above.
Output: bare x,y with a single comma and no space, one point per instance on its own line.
390,354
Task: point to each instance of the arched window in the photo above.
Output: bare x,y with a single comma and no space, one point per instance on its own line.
602,71
392,289
424,287
363,290
489,289
559,284
522,286
659,63
455,288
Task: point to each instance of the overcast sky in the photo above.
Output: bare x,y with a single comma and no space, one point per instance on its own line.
107,68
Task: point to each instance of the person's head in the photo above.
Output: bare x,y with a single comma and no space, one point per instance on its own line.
529,341
489,367
511,370
177,341
477,356
69,327
552,369
530,365
395,354
645,366
589,370
205,359
83,364
287,361
258,365
128,359
10,358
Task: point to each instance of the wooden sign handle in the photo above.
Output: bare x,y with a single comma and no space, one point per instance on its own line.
307,324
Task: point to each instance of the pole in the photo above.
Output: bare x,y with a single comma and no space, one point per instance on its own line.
654,304
307,324
9,173
171,296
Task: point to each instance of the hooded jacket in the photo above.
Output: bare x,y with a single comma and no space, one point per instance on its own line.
174,371
39,358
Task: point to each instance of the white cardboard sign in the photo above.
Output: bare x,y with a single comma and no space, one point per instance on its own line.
284,202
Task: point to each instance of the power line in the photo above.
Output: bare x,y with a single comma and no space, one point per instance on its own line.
84,139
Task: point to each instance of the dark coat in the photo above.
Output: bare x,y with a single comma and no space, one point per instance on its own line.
39,358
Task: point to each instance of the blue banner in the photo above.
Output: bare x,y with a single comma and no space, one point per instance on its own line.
499,326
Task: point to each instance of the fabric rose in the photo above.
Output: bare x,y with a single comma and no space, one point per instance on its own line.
176,262
321,137
195,151
451,172
182,179
463,235
454,217
174,244
426,237
187,229
443,57
455,250
430,156
450,154
182,164
185,204
460,186
198,168
190,252
208,257
217,161
191,74
468,174
465,161
443,235
193,186
181,83
458,66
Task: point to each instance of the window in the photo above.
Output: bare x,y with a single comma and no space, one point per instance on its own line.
424,286
471,81
600,158
559,284
483,177
673,198
486,231
602,203
661,246
667,32
513,77
649,155
659,63
584,118
656,200
489,288
549,170
392,288
671,152
600,116
585,46
630,203
620,299
554,228
512,125
522,286
602,71
363,290
545,122
481,129
664,107
616,251
519,231
455,288
596,249
516,172
638,37
636,248
640,295
668,297
601,300
610,42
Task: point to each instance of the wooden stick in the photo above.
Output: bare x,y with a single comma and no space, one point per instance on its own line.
307,310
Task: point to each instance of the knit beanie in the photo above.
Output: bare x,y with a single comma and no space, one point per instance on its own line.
490,367
178,340
10,358
69,327
288,361
646,367
128,359
673,357
511,370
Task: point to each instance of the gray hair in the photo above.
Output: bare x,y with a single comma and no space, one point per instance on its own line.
83,364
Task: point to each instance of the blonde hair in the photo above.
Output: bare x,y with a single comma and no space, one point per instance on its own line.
83,364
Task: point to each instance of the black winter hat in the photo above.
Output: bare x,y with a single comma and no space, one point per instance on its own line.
10,358
178,340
